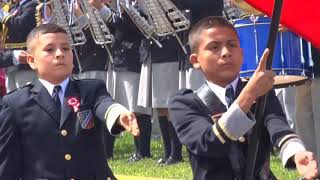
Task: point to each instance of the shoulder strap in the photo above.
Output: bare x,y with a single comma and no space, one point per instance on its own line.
210,99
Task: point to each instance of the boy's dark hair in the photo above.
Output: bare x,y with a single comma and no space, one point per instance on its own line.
206,23
43,29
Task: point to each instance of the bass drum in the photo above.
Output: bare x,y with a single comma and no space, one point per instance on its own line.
291,61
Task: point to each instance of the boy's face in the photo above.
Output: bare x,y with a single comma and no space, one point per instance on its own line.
219,55
51,57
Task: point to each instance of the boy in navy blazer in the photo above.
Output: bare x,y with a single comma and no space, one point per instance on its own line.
216,129
56,133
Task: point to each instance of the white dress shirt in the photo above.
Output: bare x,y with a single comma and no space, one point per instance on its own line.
49,86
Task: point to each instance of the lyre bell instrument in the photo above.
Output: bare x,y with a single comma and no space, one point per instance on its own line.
164,19
62,18
167,19
177,18
143,25
99,30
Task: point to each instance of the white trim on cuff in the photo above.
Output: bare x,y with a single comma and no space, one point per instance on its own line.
112,114
290,148
216,132
235,123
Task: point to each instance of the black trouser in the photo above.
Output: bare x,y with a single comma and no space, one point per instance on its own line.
142,142
171,143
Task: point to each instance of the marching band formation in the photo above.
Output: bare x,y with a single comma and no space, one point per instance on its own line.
144,54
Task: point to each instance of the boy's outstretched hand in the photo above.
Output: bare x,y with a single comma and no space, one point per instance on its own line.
306,164
129,122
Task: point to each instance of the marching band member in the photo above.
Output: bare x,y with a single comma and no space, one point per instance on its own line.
93,58
306,112
94,61
126,72
159,80
17,24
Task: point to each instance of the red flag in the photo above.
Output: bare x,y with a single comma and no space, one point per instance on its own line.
302,17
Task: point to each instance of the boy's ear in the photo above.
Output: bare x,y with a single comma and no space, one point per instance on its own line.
194,61
30,60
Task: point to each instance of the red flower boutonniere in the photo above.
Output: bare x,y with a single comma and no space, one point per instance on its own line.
74,102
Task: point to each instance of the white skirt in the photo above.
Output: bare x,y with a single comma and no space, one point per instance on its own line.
109,80
126,91
102,75
158,83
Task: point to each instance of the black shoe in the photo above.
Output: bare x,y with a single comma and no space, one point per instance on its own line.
171,161
136,157
162,161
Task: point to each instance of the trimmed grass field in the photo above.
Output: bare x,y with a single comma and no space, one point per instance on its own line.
124,147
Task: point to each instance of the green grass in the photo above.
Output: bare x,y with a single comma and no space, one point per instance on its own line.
280,172
124,147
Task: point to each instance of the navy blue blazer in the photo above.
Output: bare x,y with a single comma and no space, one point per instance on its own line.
208,156
20,24
36,143
127,43
92,57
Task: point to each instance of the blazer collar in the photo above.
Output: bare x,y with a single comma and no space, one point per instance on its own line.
45,101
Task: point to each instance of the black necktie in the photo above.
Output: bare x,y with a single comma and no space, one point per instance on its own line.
236,156
55,97
229,96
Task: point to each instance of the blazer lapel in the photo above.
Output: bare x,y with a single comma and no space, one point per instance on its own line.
71,91
41,95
